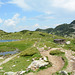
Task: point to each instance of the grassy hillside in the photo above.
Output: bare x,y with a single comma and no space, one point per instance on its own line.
27,39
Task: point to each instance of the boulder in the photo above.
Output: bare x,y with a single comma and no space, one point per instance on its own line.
1,68
1,58
22,72
37,64
13,65
9,73
63,72
68,42
45,58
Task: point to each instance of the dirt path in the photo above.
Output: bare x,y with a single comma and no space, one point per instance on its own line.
56,61
8,59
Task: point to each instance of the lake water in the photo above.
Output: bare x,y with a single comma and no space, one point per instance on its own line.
7,40
10,52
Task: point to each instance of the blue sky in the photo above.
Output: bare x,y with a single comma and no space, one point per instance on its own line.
17,15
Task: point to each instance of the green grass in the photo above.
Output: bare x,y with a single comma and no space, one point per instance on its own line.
11,46
21,64
66,62
21,61
57,73
73,54
56,52
29,51
27,39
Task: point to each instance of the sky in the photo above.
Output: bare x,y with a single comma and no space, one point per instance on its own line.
17,15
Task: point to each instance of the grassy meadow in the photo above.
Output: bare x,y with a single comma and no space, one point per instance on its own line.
26,49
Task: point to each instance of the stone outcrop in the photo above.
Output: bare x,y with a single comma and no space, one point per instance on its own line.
37,64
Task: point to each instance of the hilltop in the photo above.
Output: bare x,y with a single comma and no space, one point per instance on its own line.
67,30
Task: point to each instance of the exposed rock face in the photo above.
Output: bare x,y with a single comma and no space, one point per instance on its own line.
37,64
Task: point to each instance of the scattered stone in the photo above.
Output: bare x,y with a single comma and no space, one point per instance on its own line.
45,58
71,61
1,68
68,42
18,56
13,65
63,72
28,60
49,48
22,72
63,45
1,58
9,73
40,58
45,46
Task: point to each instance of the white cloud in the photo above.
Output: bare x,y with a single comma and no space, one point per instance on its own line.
38,5
1,20
20,3
36,25
1,3
66,4
14,20
42,17
44,5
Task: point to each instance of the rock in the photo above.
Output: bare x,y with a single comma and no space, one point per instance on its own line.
37,64
45,46
71,61
45,58
28,60
68,42
22,72
49,47
9,73
13,65
1,68
33,59
18,56
1,58
63,72
40,58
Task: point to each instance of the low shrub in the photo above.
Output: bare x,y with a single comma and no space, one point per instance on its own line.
29,52
56,52
66,62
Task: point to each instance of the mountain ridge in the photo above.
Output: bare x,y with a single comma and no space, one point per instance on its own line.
65,29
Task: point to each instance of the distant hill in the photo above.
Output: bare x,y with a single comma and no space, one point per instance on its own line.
48,30
61,30
2,32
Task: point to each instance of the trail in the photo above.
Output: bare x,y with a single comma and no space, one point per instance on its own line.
57,62
8,59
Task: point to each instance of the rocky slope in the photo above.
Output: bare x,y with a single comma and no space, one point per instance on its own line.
61,30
